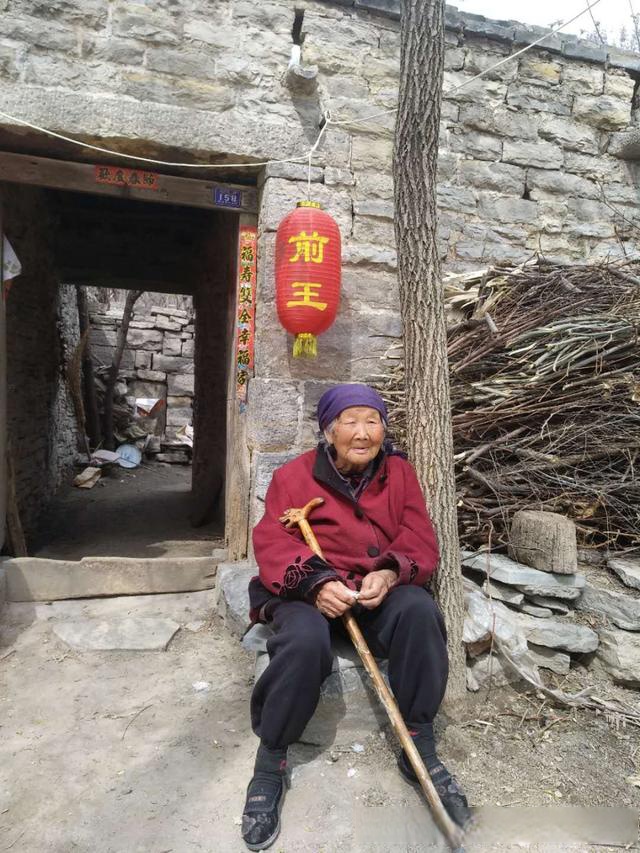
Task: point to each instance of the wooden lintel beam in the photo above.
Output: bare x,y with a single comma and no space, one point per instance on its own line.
85,178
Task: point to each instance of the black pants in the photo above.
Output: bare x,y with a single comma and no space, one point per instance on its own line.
407,628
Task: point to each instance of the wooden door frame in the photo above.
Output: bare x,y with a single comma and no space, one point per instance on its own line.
236,199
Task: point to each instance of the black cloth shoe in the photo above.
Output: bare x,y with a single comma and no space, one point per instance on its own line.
265,795
446,785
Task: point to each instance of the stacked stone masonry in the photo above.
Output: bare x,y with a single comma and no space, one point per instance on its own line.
158,361
524,162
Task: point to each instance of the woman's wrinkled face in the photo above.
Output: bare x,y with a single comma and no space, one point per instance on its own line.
357,436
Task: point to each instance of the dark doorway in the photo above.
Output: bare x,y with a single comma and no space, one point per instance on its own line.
135,245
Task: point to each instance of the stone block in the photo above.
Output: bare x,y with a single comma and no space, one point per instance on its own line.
583,49
181,384
148,339
619,653
172,364
602,111
627,569
499,177
570,134
545,184
544,155
369,255
545,658
154,390
599,168
174,313
502,592
179,402
381,208
47,34
338,177
188,348
389,8
312,391
480,61
370,229
171,345
40,579
143,359
168,324
539,99
619,84
181,62
500,122
272,414
374,185
508,209
151,375
530,581
292,172
166,89
625,59
582,79
371,153
102,336
376,289
131,634
279,198
454,58
104,356
460,199
550,604
178,417
481,146
623,610
119,50
556,634
145,23
462,88
539,70
232,595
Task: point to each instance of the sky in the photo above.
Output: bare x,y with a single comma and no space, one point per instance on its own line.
611,15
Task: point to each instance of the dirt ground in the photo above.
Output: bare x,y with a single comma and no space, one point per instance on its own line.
140,512
119,752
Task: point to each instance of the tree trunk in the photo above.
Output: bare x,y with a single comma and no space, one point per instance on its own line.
112,378
88,379
422,301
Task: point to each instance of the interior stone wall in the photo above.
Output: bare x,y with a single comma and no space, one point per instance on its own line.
42,333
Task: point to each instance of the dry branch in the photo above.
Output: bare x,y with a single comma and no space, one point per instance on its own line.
546,408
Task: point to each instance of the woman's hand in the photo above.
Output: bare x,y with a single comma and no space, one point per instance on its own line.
334,599
375,588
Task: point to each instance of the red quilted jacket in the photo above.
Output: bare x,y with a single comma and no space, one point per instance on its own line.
386,526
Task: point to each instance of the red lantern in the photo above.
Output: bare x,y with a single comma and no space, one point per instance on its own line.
308,271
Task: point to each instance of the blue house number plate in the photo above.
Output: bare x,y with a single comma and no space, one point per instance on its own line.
227,198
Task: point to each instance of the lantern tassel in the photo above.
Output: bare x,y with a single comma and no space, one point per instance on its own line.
305,346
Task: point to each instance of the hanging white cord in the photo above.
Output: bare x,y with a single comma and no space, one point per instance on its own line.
328,120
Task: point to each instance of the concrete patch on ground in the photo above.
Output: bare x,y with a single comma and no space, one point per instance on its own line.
130,635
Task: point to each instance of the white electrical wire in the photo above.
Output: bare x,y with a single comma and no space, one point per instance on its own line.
327,120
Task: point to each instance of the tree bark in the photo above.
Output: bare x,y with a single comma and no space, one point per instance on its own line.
112,377
88,379
422,302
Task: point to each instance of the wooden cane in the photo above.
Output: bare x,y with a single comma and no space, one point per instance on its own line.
451,831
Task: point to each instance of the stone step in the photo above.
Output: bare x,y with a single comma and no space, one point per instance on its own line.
43,579
348,706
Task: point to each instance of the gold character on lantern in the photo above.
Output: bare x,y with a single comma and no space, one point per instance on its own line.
309,247
306,295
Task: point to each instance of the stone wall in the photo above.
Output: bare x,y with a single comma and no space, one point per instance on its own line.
524,154
42,332
158,361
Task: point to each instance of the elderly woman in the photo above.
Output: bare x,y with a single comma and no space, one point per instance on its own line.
377,539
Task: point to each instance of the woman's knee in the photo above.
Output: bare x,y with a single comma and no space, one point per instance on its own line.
417,606
302,635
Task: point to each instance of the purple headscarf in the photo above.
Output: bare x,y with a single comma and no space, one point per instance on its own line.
342,397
